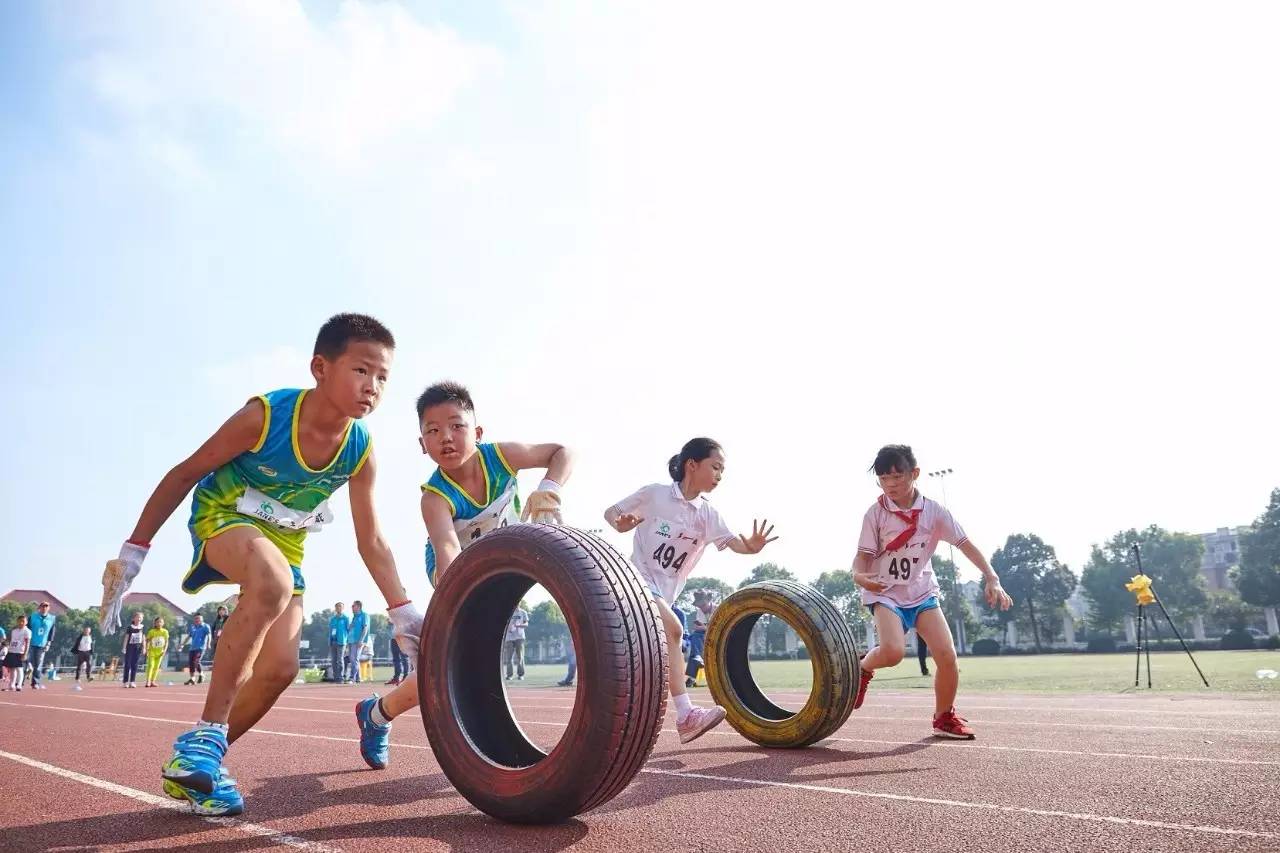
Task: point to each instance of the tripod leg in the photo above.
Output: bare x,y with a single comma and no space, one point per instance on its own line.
1177,634
1137,633
1147,631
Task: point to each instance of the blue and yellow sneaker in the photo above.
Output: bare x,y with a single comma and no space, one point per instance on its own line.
197,759
225,799
375,740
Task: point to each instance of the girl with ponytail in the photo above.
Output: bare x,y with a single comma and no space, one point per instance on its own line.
674,523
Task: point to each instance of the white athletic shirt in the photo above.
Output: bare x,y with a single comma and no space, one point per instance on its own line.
906,570
19,639
674,533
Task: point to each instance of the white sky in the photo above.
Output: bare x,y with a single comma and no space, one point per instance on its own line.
1039,244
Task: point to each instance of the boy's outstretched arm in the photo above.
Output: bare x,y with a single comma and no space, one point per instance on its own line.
543,505
241,432
378,558
995,594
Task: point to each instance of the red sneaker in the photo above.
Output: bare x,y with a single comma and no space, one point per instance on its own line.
952,725
867,675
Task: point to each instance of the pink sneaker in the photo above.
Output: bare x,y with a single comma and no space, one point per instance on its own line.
699,722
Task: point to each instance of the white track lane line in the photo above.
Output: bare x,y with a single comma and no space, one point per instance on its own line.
254,829
941,744
966,804
1032,749
1079,816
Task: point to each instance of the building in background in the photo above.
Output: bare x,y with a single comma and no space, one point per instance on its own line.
1221,554
32,597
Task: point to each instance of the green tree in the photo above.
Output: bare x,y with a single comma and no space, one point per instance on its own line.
1029,570
715,585
380,628
767,572
316,633
67,632
955,607
1172,560
1227,612
840,590
546,622
1258,575
9,613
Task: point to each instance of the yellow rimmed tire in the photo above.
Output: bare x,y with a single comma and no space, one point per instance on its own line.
832,653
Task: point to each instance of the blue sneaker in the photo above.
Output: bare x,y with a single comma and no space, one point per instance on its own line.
225,799
375,740
197,759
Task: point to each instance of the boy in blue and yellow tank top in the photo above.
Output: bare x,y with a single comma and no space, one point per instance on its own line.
472,492
262,482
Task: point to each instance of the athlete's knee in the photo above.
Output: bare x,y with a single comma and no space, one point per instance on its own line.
891,652
945,656
271,589
276,674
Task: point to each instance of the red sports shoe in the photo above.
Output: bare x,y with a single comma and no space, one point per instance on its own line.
952,725
867,675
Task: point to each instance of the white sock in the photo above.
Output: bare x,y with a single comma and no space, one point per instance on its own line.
684,706
378,716
205,724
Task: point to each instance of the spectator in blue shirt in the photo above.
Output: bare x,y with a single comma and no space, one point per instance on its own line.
356,640
41,624
197,642
339,629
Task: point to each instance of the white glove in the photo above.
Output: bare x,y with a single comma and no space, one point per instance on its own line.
408,624
543,506
116,579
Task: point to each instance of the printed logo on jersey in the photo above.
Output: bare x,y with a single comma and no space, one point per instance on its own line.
664,529
267,472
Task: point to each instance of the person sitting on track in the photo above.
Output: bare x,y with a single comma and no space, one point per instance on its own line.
261,482
674,523
900,532
471,492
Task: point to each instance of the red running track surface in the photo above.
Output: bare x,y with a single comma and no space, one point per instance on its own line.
1101,772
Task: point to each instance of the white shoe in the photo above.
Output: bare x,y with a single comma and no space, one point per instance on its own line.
699,722
77,687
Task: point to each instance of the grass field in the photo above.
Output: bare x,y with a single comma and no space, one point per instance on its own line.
1228,672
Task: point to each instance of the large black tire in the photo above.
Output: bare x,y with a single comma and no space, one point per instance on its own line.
831,650
621,698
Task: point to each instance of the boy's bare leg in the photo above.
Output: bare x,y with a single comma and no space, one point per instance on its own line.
671,624
273,671
248,558
890,638
932,626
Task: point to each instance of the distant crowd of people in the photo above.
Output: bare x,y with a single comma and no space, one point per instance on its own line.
25,646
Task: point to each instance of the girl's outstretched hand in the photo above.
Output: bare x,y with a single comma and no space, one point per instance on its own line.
627,521
759,536
995,594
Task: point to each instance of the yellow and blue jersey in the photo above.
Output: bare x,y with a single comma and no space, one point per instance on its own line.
471,520
272,488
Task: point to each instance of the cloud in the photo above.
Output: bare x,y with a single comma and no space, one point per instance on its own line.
337,94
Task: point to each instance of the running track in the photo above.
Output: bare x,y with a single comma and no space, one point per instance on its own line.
1153,772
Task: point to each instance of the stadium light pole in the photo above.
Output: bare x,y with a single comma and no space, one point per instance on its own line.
941,475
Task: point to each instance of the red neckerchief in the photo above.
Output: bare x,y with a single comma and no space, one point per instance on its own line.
911,518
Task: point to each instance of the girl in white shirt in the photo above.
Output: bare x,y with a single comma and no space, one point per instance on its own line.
673,525
900,532
15,660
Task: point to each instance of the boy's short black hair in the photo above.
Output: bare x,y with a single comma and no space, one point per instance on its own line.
894,457
445,392
341,329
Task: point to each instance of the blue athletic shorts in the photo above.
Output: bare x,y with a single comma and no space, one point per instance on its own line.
908,615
